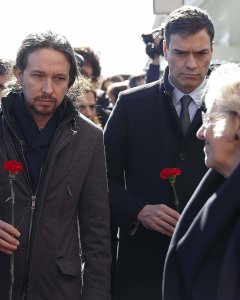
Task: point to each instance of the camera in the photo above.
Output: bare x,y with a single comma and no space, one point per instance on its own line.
151,48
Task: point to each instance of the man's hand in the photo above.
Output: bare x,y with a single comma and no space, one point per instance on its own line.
8,235
159,217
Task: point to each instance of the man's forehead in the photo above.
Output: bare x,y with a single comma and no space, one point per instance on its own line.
46,58
198,41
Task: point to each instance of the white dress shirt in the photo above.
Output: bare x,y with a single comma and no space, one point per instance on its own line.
196,95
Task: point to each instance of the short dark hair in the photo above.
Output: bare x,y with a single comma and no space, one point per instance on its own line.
187,20
46,40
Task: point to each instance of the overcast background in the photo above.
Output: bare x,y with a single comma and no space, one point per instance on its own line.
111,27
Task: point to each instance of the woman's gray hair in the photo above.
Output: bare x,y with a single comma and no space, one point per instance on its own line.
223,97
223,88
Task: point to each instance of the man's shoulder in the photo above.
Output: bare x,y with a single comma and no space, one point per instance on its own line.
145,91
143,88
84,123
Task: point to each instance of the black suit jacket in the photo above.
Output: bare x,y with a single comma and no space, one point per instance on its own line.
143,136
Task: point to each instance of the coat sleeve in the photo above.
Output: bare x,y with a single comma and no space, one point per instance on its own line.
94,224
124,205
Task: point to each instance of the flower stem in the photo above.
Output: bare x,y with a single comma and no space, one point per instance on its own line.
12,223
12,276
176,201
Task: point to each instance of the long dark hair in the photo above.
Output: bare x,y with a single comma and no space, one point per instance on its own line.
51,40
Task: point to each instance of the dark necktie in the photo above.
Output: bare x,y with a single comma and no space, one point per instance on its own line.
184,115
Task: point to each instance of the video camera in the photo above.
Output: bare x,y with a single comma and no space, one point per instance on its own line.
148,39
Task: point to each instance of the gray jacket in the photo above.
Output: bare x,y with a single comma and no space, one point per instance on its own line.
71,201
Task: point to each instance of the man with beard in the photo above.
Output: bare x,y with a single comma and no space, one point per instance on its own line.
61,237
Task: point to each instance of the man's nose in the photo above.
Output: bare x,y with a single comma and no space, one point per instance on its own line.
47,86
191,61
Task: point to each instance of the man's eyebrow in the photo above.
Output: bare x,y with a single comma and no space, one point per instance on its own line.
42,72
187,51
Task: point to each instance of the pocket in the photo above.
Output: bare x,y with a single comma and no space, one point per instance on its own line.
71,266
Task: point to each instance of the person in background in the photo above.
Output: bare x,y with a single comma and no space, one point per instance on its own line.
153,127
154,49
80,61
109,80
84,98
103,98
91,67
203,258
136,80
114,89
6,73
60,234
104,106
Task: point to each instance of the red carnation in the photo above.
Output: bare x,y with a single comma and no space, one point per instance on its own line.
170,174
13,167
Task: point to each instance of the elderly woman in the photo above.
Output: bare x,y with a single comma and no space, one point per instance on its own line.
203,260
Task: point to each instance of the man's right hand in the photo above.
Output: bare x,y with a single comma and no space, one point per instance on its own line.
8,235
159,217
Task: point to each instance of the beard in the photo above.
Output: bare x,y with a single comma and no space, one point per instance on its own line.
37,107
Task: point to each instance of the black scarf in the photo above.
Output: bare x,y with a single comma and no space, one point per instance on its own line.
37,141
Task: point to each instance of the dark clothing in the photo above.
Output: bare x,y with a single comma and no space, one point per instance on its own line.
37,141
203,260
143,136
65,238
103,107
103,115
152,73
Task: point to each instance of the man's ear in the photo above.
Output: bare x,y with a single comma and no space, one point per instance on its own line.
165,49
18,74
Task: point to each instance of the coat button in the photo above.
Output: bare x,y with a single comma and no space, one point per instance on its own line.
182,156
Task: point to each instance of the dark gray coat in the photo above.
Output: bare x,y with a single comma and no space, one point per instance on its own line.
71,199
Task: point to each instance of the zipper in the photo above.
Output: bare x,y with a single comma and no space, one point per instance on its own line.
33,206
34,197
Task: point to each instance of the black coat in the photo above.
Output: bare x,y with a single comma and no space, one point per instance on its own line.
203,260
143,136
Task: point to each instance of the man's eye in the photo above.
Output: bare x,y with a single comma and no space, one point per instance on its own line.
179,53
202,53
60,78
37,75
